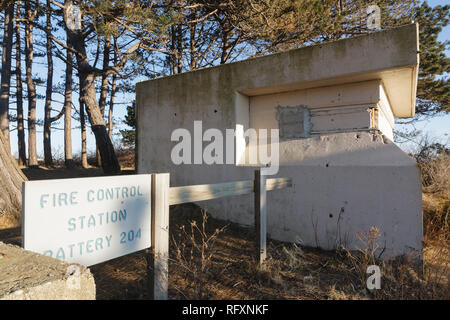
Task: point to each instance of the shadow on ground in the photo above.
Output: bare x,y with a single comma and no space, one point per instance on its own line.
44,173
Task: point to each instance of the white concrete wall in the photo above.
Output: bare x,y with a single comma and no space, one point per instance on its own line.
344,182
386,119
332,108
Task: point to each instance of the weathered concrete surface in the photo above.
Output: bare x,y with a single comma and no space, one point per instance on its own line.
337,192
391,56
25,275
344,182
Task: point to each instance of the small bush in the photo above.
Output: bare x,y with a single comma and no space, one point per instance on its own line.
194,249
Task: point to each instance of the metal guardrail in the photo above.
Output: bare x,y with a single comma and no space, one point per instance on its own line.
163,196
204,192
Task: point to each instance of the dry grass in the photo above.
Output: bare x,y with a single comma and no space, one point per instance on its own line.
406,277
295,272
190,242
436,175
8,221
436,218
292,271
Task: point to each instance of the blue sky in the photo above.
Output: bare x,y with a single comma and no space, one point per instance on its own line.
437,128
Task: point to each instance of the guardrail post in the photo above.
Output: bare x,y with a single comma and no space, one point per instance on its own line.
160,236
260,216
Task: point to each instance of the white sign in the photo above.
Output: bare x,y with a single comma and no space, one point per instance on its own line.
87,220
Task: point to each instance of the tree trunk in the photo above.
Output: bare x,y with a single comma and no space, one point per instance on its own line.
192,46
19,96
173,54
104,86
111,107
32,153
6,73
68,157
113,94
84,162
11,178
110,164
48,159
179,49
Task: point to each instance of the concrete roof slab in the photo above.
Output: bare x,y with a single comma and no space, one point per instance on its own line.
389,55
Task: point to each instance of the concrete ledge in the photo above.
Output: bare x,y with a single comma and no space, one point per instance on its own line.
26,275
390,56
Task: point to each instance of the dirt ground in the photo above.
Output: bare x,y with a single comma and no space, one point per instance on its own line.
218,262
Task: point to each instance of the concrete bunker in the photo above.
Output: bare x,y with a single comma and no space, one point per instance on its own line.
334,105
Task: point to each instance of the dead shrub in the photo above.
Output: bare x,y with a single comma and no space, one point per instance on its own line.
436,219
401,278
436,174
365,253
433,159
194,249
270,274
293,256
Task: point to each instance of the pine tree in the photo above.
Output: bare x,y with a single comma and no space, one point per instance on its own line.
21,147
30,14
48,158
6,72
433,89
137,21
129,135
